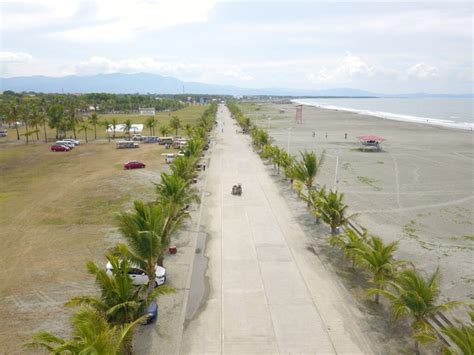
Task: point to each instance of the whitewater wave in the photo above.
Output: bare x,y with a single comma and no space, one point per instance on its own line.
394,116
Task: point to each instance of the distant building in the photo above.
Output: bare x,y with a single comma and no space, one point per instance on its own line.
147,111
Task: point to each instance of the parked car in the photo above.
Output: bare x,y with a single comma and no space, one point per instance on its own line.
60,148
137,137
65,143
151,313
139,276
134,164
73,141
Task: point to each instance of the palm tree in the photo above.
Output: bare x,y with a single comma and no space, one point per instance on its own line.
175,192
164,130
127,127
72,116
193,147
150,123
147,231
307,169
43,118
333,210
175,123
94,120
84,127
462,335
188,129
315,200
107,126
378,258
350,243
114,124
415,296
13,115
184,167
35,118
56,117
91,334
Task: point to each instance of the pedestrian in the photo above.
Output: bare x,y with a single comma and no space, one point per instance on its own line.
326,136
204,166
314,134
345,135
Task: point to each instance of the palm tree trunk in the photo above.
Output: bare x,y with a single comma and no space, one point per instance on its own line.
27,135
17,132
37,131
95,131
45,135
85,134
417,348
74,131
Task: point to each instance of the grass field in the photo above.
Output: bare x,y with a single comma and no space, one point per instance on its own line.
57,212
189,114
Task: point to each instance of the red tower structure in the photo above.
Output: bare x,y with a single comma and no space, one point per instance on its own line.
299,114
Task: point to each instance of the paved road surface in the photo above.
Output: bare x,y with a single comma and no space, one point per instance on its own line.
267,293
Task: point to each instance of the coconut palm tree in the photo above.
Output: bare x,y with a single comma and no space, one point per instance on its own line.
307,169
462,335
113,124
164,130
56,117
35,119
43,118
72,116
13,115
315,200
84,127
189,130
378,258
127,126
91,334
350,243
193,147
147,231
415,296
333,210
119,300
175,123
150,123
175,192
107,125
94,120
184,167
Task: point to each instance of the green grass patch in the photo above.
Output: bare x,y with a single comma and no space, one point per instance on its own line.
368,181
410,230
468,237
5,196
380,162
53,221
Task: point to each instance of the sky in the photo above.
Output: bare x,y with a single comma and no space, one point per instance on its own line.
380,46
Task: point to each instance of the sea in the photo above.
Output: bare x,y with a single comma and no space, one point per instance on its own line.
447,112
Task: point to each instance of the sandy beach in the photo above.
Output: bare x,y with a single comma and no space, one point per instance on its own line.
419,190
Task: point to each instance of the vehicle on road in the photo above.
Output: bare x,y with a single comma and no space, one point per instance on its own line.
139,276
137,137
150,139
151,313
73,141
126,144
60,148
237,189
165,140
134,164
3,132
65,143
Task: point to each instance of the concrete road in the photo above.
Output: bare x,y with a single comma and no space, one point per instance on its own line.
266,292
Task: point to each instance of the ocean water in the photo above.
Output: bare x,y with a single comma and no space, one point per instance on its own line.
454,113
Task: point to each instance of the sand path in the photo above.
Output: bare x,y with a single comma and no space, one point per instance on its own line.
267,292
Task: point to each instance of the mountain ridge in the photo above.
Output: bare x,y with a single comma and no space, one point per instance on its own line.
143,83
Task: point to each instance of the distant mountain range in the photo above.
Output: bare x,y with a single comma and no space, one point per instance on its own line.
144,83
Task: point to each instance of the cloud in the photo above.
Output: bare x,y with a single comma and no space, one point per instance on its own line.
422,71
15,57
350,67
195,70
103,20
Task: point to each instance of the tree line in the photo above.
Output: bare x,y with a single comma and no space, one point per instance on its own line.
105,324
411,294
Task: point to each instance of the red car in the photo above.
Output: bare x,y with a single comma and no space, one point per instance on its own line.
60,148
134,164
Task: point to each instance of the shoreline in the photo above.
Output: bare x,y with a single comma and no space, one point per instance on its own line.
465,126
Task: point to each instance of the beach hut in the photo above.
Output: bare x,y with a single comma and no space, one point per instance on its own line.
371,142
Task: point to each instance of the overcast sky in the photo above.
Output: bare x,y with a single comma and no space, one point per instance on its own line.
380,46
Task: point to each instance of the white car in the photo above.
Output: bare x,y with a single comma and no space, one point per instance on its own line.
66,143
139,276
73,141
